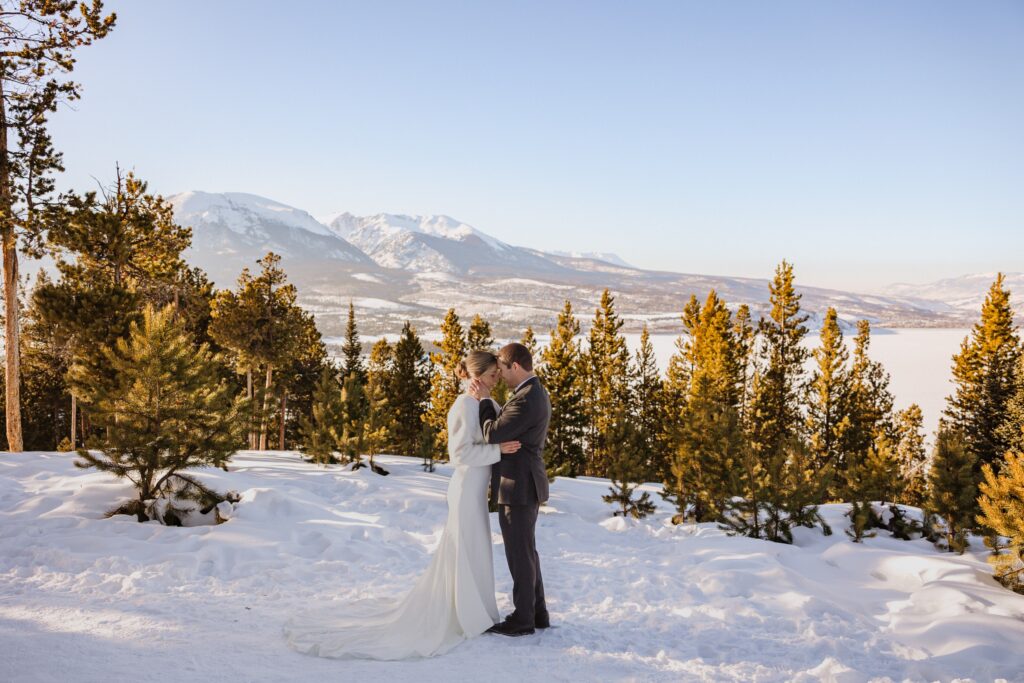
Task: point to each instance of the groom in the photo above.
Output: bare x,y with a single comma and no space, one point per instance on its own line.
522,483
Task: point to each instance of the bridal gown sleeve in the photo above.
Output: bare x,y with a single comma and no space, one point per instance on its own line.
465,442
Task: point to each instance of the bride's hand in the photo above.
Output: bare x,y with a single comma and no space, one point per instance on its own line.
479,390
509,447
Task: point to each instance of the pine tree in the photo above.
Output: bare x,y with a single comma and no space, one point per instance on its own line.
259,323
352,350
775,418
608,382
871,402
378,425
529,340
479,334
626,469
379,381
952,486
828,401
912,456
164,411
353,418
40,38
320,430
707,436
115,254
1011,432
445,385
873,476
562,375
745,334
647,407
410,383
777,477
983,373
1002,511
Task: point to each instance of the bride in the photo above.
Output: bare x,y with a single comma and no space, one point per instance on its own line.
454,599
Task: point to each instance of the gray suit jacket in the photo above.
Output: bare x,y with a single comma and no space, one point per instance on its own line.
521,477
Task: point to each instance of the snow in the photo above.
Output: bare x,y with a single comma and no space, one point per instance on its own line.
84,598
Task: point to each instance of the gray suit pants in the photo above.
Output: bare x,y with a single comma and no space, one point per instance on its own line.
518,526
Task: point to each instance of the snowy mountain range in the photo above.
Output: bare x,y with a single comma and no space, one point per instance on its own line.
396,268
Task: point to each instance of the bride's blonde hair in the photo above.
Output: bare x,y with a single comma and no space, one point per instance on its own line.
476,363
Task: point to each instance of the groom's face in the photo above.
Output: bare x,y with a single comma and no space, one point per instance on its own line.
509,373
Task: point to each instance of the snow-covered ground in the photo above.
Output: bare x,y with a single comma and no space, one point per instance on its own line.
84,598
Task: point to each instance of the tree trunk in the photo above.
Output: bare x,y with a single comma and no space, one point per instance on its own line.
12,333
284,406
263,413
74,417
248,395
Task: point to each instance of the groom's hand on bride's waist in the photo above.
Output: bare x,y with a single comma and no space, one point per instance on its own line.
509,447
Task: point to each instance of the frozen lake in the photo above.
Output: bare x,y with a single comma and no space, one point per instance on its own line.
918,362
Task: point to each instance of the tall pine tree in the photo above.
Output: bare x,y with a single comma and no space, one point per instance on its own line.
40,38
608,384
828,401
445,385
983,374
562,375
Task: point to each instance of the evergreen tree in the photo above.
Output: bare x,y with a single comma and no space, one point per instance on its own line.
912,456
952,486
378,424
873,476
353,414
47,420
529,340
608,383
828,400
320,429
379,380
871,402
445,385
745,334
775,419
1011,432
352,350
114,254
626,469
296,379
164,410
259,323
40,38
648,409
777,477
562,375
479,335
707,437
1002,511
410,383
983,373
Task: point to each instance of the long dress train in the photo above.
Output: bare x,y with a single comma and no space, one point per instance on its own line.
454,599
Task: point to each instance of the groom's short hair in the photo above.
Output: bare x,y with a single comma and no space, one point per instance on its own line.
516,353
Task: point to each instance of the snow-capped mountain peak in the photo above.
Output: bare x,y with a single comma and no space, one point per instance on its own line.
241,212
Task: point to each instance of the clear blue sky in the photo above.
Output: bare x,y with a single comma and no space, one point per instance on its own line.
868,143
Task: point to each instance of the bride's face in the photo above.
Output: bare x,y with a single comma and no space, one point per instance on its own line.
490,378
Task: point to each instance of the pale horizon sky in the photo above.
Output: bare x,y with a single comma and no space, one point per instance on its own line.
867,143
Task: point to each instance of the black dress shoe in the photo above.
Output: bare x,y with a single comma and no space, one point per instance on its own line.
507,629
542,620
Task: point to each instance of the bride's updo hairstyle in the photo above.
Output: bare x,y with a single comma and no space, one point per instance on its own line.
476,363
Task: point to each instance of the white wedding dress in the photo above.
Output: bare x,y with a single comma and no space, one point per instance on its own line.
454,599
